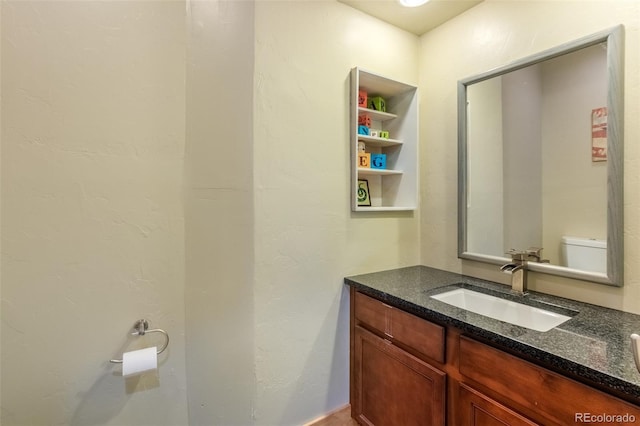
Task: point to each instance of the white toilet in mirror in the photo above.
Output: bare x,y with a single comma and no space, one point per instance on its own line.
585,253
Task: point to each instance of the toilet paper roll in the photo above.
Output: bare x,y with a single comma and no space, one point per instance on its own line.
140,361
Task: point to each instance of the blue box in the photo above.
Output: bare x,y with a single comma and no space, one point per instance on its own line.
363,130
378,161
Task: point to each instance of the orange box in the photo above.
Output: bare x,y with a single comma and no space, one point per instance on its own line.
362,98
364,160
364,120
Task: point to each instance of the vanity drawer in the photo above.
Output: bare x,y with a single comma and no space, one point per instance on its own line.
372,313
533,387
402,328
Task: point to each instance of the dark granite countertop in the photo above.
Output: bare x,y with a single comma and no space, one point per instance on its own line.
593,346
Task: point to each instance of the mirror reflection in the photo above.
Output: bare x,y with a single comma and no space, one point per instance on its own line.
539,161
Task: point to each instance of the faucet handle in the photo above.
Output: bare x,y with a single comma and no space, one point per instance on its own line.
534,251
518,255
536,254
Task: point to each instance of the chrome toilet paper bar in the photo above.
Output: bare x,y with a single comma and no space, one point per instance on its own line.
140,328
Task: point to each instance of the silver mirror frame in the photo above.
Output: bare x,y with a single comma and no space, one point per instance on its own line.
614,37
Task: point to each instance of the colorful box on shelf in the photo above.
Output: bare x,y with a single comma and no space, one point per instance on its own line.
363,130
378,161
384,134
364,160
377,103
364,120
362,98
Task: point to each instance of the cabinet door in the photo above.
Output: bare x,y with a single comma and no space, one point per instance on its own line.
543,393
392,387
477,409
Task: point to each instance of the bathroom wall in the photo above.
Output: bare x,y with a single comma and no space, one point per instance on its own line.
139,181
574,187
96,171
93,111
269,230
485,213
1,174
523,183
487,36
306,238
219,213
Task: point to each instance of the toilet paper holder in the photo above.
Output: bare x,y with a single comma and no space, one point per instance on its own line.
140,328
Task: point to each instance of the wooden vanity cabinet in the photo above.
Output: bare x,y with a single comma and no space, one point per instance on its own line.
392,381
409,371
477,409
535,392
393,387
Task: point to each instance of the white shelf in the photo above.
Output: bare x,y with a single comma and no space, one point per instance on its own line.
384,209
377,172
379,142
396,187
376,115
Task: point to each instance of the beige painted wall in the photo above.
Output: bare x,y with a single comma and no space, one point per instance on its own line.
306,237
485,207
93,194
118,123
219,213
574,187
485,37
522,159
92,219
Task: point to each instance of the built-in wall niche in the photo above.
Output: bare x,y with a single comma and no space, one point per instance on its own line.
384,143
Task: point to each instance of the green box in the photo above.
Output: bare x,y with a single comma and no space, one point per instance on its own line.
377,103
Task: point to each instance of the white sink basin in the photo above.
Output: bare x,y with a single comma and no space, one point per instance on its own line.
502,309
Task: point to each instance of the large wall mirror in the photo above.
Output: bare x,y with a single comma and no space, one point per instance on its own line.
540,160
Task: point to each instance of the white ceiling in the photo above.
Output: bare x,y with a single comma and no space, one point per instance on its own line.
417,20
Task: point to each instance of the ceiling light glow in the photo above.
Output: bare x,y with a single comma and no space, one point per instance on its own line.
412,3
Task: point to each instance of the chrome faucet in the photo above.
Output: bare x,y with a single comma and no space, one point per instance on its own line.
517,268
